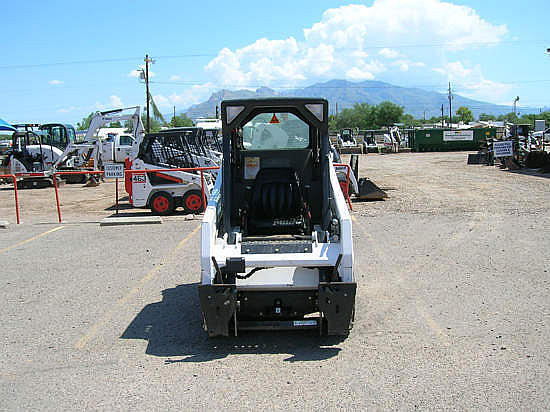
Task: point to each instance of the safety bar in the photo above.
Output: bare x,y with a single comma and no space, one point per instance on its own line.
14,194
130,172
346,192
31,174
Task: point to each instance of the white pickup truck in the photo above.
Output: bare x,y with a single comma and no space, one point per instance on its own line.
116,148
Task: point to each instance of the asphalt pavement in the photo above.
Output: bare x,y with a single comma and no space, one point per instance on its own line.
452,312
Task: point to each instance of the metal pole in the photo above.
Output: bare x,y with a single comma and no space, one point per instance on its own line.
203,194
116,196
347,191
147,91
442,117
15,195
450,107
57,196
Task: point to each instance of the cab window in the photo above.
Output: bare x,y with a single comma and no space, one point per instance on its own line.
275,131
71,133
126,140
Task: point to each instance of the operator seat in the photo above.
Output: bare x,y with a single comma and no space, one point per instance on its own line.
277,204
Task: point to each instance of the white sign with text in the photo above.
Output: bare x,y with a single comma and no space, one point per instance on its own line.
503,149
114,171
458,135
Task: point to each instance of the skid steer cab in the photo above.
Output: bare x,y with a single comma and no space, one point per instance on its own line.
277,250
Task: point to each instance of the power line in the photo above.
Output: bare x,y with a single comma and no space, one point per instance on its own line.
69,63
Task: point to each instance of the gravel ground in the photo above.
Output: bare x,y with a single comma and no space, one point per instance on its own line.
452,305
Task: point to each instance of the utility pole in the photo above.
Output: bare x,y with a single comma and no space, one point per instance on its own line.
450,106
336,108
147,61
424,116
442,117
174,116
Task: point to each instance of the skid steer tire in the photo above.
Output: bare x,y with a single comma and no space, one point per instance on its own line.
193,202
162,204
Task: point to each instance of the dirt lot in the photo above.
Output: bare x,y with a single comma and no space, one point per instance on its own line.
452,304
417,183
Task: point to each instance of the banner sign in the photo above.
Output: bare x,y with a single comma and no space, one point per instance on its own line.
458,135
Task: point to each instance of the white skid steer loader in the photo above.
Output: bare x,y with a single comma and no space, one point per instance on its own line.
277,249
163,190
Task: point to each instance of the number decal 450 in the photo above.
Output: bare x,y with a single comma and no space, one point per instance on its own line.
138,178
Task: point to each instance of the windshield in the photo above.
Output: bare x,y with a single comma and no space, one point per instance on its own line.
275,131
71,133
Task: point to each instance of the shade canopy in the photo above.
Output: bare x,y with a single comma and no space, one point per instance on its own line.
6,126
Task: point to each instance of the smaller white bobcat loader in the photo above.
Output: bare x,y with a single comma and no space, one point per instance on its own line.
277,248
164,191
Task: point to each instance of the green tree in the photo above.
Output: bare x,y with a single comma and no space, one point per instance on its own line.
333,122
484,117
361,115
464,114
409,120
181,120
129,126
85,123
157,120
509,118
156,125
435,120
387,114
115,124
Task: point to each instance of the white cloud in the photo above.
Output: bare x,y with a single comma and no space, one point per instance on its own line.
175,77
337,46
404,22
405,65
134,73
471,82
137,72
193,95
355,73
56,82
389,53
115,102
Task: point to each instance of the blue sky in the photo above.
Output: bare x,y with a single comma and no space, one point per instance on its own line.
65,59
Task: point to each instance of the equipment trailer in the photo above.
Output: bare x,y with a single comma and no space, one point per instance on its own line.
277,248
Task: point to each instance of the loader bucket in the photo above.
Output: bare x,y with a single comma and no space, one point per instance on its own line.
369,191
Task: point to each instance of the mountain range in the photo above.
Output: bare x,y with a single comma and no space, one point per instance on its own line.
343,93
